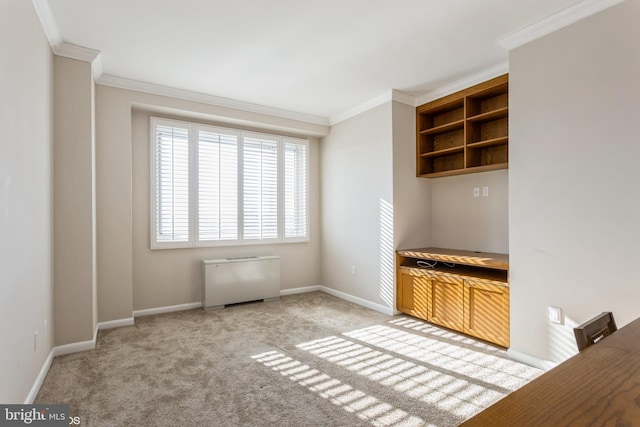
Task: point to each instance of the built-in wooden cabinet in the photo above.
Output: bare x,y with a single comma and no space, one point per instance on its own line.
486,308
412,294
465,132
461,290
445,300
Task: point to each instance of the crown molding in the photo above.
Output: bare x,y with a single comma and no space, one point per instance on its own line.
352,112
392,95
57,43
555,22
403,97
97,68
62,48
49,25
80,53
73,51
414,101
154,89
463,83
559,20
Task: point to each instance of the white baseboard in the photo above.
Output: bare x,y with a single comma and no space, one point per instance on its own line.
168,309
342,295
59,350
360,301
181,307
116,323
300,290
530,360
33,393
75,347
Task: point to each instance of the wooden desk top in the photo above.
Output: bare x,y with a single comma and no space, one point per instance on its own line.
479,259
597,387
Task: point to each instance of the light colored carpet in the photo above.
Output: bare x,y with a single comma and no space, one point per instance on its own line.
305,360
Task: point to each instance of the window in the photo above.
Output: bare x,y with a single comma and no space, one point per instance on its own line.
172,183
215,186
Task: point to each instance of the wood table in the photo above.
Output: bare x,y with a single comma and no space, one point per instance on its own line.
598,387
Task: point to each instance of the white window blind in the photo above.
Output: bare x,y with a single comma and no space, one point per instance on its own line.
260,188
172,183
215,186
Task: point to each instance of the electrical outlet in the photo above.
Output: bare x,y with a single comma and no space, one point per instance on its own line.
353,270
476,191
485,191
555,315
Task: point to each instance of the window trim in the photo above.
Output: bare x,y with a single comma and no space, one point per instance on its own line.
193,241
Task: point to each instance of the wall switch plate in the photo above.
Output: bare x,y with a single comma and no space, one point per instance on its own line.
555,315
476,191
485,191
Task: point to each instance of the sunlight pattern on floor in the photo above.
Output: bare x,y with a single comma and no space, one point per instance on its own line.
441,333
366,407
463,360
448,377
445,392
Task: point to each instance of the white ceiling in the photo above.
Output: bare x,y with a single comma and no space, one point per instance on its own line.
314,57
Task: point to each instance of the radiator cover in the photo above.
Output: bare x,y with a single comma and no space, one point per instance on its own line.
234,280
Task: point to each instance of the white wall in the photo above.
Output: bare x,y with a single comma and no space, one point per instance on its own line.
373,204
357,205
573,190
411,195
461,221
26,276
130,275
74,206
114,233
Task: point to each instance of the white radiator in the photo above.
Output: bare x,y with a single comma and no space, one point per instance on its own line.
233,280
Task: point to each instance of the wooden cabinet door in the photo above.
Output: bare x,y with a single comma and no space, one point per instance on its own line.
486,312
446,301
412,294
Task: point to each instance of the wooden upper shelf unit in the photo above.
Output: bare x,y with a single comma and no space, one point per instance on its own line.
464,132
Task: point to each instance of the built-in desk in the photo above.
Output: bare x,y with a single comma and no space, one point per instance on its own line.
598,387
461,290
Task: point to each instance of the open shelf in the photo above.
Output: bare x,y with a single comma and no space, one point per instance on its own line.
489,142
465,132
490,115
485,131
441,114
433,163
492,155
446,151
458,124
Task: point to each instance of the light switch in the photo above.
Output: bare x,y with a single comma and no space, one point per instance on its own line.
476,191
485,191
